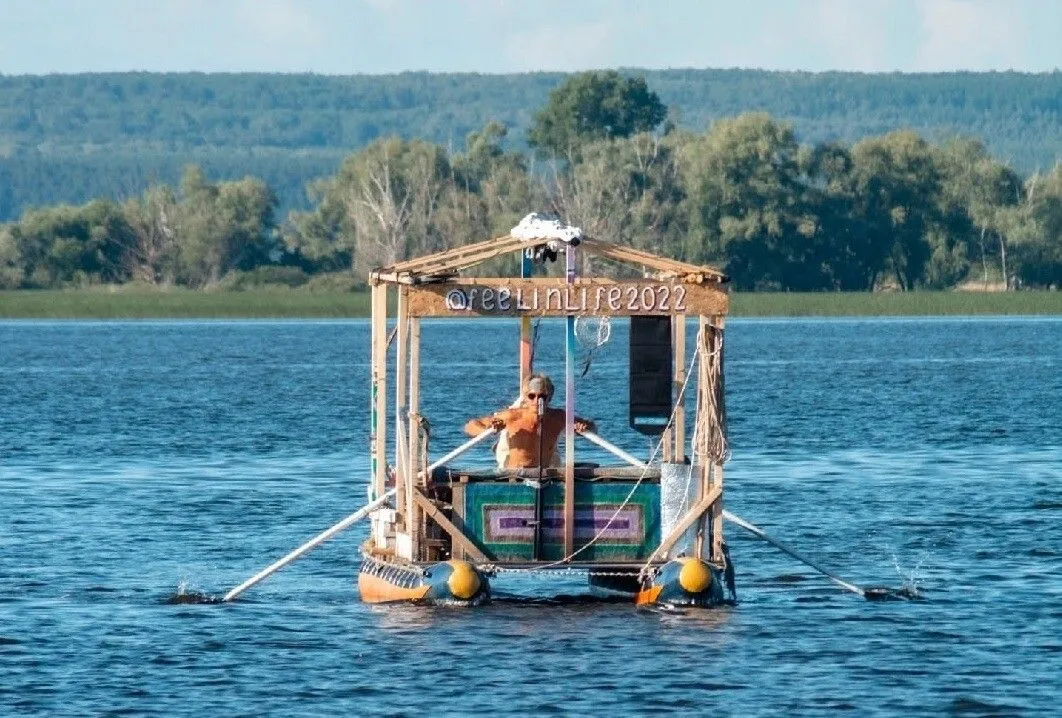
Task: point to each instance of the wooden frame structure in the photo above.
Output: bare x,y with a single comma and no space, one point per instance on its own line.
424,528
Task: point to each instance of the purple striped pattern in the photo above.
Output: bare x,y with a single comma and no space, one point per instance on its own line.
507,523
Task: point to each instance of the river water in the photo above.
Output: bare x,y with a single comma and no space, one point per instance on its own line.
145,461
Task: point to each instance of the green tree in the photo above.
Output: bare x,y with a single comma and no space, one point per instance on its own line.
64,244
390,193
499,178
1035,228
222,227
396,198
977,195
200,243
659,219
747,200
153,257
246,209
896,187
849,257
12,273
322,238
593,106
624,190
484,152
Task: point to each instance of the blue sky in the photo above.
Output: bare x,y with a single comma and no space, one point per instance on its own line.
499,36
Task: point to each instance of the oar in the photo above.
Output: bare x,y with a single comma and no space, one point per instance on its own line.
347,522
612,448
312,543
757,531
869,594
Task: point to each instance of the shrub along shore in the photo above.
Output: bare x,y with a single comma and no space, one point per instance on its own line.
128,303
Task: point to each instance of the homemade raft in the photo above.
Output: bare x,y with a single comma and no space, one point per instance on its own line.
651,529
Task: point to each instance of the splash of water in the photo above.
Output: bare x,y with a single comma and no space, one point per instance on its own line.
186,595
909,583
909,579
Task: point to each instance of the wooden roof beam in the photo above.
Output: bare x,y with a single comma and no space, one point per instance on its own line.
449,262
419,264
629,255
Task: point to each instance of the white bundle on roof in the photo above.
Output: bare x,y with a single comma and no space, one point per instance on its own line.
537,226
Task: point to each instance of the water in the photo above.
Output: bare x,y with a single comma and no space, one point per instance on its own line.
143,461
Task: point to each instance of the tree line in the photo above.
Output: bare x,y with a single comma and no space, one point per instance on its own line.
604,153
70,138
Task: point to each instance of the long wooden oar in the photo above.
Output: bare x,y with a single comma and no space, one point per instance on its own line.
757,531
346,523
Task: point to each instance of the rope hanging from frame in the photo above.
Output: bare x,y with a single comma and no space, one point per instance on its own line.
710,441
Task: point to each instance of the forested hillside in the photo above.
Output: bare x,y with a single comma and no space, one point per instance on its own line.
776,211
71,138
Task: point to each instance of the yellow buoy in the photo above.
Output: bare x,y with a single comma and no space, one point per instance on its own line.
694,576
463,581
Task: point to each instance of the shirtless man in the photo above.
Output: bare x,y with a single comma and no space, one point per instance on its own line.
521,425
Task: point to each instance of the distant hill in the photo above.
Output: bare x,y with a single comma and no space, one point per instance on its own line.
68,138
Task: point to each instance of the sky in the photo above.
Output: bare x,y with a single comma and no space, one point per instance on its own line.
340,37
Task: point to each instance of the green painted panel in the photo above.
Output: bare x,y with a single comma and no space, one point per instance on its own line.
497,516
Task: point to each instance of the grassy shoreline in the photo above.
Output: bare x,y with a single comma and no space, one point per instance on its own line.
122,303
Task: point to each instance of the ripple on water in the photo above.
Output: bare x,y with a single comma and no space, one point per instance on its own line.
145,468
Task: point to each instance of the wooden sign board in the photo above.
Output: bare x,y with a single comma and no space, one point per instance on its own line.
555,298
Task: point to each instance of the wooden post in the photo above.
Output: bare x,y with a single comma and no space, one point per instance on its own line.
379,393
706,464
457,536
569,415
457,500
717,513
403,475
717,470
413,518
678,327
526,348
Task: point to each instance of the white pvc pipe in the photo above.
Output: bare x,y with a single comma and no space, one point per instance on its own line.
345,523
757,531
732,518
612,448
315,541
461,449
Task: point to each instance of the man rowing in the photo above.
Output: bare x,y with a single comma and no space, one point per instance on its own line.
532,428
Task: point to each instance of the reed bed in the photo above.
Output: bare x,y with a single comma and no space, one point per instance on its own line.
883,304
181,304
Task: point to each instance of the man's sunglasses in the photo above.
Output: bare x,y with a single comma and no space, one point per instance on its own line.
533,395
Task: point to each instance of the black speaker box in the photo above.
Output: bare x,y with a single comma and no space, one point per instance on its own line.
651,379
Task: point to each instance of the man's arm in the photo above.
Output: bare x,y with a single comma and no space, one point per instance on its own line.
475,427
581,424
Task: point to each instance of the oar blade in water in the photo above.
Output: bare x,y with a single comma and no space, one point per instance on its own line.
190,597
884,593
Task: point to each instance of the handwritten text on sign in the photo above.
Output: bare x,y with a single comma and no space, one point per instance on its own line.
550,297
600,299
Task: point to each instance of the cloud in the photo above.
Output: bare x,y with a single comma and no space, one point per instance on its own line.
802,35
564,48
851,35
279,20
969,35
385,6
